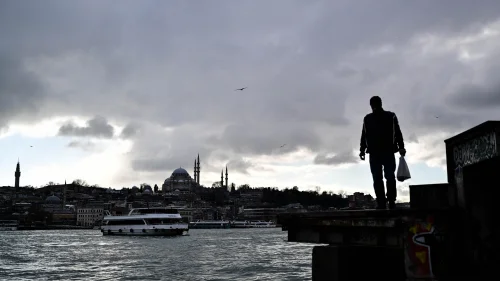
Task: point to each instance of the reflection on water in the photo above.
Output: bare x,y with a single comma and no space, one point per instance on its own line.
212,254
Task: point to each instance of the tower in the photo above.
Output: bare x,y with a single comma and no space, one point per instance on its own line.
195,172
222,178
64,195
226,178
198,170
17,174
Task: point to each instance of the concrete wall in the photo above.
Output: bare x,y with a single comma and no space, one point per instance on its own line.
357,263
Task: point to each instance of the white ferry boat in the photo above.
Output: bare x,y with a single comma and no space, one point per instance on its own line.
162,221
8,225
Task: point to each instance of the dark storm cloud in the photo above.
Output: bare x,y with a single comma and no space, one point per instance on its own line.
258,138
346,157
438,116
85,145
160,149
96,127
480,95
21,92
343,25
310,68
239,165
152,165
129,131
477,97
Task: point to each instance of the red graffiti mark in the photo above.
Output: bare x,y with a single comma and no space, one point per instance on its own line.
418,253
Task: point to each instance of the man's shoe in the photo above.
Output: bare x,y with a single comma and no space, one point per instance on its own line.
381,206
392,205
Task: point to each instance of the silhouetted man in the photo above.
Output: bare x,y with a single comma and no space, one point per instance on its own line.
381,138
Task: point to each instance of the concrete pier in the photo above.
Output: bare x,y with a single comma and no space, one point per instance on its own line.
343,263
449,233
373,242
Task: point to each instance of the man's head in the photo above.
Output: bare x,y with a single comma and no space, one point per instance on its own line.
376,102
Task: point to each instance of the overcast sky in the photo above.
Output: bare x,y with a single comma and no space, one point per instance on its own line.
122,92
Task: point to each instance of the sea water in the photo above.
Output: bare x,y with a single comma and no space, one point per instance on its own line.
204,254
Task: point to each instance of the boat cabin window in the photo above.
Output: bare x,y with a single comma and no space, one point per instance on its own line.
125,222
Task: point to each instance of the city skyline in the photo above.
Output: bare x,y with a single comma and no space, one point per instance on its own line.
123,95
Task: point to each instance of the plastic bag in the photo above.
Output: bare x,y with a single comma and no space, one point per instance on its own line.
403,171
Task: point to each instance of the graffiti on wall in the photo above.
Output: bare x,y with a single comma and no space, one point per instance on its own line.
475,150
422,236
459,183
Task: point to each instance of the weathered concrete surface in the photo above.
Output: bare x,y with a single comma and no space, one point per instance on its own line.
350,227
473,165
470,148
429,196
417,234
357,263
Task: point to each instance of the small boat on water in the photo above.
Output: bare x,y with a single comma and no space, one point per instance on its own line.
252,224
209,224
240,224
159,221
262,224
213,224
8,225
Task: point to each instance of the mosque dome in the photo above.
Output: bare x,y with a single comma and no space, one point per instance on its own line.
180,171
179,175
180,179
53,199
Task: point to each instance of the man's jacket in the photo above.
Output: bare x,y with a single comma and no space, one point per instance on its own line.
381,133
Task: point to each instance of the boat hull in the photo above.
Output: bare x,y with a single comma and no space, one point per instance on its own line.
164,232
8,228
145,230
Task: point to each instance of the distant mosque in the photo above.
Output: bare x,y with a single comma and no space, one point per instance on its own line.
181,180
52,203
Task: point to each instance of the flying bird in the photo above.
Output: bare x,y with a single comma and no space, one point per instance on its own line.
31,146
241,89
283,145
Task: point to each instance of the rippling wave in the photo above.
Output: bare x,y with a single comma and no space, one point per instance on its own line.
212,254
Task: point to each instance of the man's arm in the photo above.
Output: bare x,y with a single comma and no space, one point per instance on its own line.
362,144
398,135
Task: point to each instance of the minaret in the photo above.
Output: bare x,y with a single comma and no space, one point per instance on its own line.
64,195
198,170
226,178
195,174
17,174
222,178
